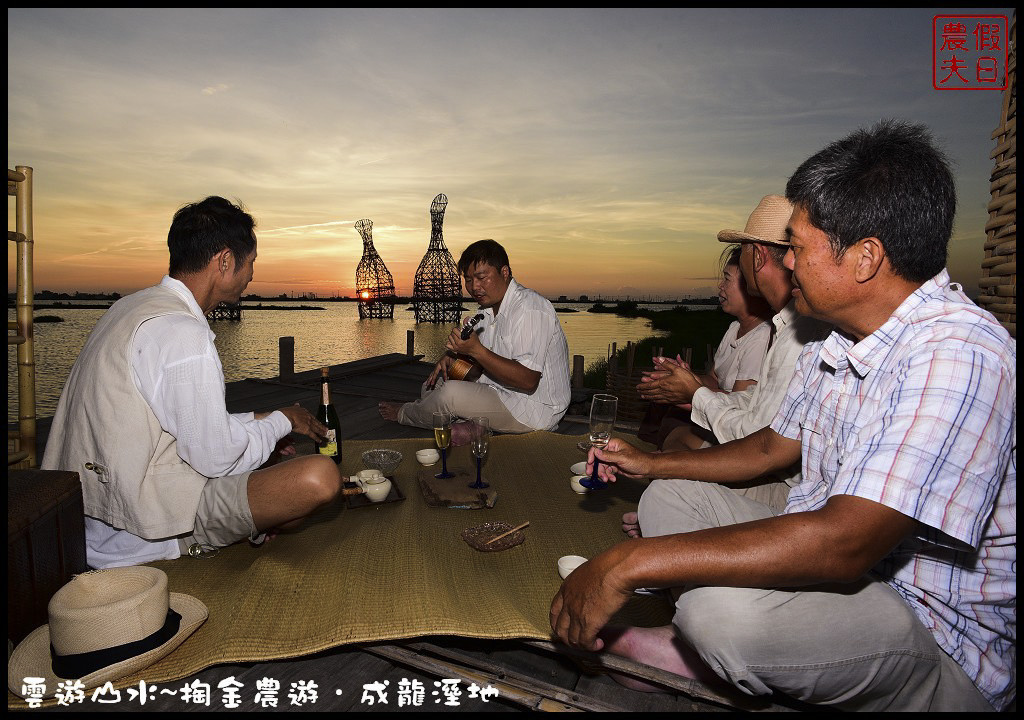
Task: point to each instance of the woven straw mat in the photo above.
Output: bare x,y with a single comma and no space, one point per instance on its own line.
401,570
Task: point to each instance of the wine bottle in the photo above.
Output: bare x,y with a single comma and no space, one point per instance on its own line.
331,446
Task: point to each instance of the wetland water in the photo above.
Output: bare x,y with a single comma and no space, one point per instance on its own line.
249,348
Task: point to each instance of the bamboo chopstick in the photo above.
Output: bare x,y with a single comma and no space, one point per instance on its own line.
505,534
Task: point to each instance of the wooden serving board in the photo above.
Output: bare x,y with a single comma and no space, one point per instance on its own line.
455,492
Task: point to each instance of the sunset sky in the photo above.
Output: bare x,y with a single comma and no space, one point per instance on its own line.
603,148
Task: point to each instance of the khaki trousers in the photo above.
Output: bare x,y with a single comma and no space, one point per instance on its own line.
853,647
223,516
461,399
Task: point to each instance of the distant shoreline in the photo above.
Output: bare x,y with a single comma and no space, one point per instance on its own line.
46,298
106,306
628,308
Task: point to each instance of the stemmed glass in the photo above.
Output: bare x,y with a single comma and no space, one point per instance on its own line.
481,443
443,438
602,419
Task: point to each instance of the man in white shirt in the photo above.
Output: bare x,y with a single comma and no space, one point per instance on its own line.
165,469
738,414
518,347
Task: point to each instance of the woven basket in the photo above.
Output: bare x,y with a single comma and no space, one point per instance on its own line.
998,283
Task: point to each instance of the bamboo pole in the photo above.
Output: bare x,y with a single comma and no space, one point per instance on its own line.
24,301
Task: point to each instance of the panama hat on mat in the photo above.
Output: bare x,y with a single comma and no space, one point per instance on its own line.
767,224
105,625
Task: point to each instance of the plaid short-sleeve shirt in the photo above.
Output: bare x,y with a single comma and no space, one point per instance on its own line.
921,417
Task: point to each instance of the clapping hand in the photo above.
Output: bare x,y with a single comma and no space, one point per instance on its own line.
671,382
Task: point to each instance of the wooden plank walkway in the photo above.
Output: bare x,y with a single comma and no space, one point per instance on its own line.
527,678
356,388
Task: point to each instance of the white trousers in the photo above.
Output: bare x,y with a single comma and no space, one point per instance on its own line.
461,399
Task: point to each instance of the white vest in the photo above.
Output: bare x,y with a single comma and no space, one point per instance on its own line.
132,477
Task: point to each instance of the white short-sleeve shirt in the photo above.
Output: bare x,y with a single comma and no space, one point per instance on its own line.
526,329
740,358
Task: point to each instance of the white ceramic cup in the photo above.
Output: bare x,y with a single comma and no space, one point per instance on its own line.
428,456
574,483
579,468
568,563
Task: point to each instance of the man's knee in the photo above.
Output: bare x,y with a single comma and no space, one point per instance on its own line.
789,641
713,616
314,480
727,632
709,615
443,397
322,480
658,510
446,396
661,490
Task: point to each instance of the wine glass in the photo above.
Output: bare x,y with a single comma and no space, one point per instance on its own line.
481,443
602,418
443,438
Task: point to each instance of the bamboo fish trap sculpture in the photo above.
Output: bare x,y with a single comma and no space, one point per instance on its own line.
375,287
437,287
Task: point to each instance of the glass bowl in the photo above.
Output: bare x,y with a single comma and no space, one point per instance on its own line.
387,461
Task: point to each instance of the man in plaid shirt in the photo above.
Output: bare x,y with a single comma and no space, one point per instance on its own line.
889,581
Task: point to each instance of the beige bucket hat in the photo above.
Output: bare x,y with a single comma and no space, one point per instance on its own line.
767,224
105,625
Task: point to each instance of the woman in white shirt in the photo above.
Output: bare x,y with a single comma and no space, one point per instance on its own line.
738,357
737,361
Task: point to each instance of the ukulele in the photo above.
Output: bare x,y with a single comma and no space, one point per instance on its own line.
465,367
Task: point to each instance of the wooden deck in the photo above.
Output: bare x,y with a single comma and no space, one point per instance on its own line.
528,676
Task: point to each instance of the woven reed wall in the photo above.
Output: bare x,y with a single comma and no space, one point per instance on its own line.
998,281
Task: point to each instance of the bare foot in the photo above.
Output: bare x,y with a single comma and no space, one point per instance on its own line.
658,647
388,410
631,524
462,433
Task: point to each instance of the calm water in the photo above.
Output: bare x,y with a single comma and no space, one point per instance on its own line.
322,337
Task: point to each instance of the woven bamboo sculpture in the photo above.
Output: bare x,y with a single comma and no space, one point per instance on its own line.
998,281
375,287
437,287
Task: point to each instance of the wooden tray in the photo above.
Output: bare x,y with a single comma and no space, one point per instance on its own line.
358,501
455,492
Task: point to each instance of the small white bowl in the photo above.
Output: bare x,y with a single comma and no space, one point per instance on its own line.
574,483
428,456
569,563
579,468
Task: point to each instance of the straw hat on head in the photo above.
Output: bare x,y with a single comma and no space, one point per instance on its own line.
767,224
105,625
